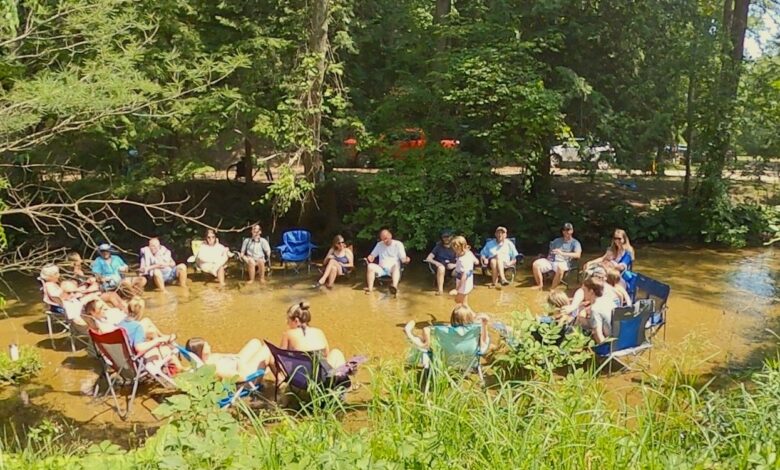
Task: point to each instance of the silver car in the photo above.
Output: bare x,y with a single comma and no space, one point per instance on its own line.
572,151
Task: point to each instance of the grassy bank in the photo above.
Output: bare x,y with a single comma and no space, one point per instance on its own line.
564,423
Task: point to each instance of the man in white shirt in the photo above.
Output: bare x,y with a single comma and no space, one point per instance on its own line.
388,254
158,264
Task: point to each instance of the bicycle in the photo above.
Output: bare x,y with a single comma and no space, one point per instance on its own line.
237,171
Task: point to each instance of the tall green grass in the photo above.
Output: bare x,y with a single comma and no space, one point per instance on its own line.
568,422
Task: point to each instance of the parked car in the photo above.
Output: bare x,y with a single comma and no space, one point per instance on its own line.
571,152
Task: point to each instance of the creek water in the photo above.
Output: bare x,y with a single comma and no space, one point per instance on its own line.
721,305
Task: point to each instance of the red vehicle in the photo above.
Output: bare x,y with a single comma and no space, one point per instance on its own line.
400,143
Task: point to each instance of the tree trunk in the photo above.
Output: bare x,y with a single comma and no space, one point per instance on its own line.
735,15
318,47
443,8
689,117
248,161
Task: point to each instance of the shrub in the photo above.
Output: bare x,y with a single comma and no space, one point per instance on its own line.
426,192
540,348
23,369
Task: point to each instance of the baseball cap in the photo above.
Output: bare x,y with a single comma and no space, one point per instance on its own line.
446,233
567,226
104,247
501,228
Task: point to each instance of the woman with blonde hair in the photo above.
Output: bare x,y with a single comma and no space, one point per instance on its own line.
464,270
461,315
621,256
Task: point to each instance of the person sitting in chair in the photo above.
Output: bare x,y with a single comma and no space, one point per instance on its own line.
251,358
461,315
442,257
212,257
338,262
256,253
497,255
145,338
563,251
158,264
389,255
304,338
109,269
53,292
598,315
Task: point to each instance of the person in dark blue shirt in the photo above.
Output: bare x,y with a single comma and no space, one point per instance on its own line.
442,259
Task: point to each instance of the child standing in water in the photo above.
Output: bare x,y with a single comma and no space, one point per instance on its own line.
464,270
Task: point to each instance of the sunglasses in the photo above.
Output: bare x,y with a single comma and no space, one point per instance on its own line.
341,243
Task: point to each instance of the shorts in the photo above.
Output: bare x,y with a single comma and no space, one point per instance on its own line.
545,265
210,268
168,274
385,271
464,287
257,260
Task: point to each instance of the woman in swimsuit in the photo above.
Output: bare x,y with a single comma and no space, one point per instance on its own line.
252,357
338,262
302,337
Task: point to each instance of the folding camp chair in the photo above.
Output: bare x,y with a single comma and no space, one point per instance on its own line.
510,271
121,363
296,249
628,336
648,288
572,273
302,369
249,385
55,316
456,347
384,279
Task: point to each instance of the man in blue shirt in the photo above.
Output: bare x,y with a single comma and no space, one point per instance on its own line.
563,251
442,258
110,268
498,254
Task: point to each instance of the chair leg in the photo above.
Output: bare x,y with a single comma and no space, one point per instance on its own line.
72,343
132,397
110,382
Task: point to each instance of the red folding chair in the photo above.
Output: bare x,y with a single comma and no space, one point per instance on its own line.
121,363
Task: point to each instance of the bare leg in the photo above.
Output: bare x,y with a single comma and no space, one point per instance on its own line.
461,299
139,282
250,268
326,273
261,269
501,273
336,358
335,269
371,274
181,274
159,282
440,273
494,270
537,270
221,275
558,277
395,274
253,356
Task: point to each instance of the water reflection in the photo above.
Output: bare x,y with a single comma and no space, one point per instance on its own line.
753,284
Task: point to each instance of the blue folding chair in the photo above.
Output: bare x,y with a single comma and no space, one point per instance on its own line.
251,384
658,292
296,249
511,271
627,336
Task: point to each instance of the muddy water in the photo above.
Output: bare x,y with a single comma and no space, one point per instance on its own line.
723,300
